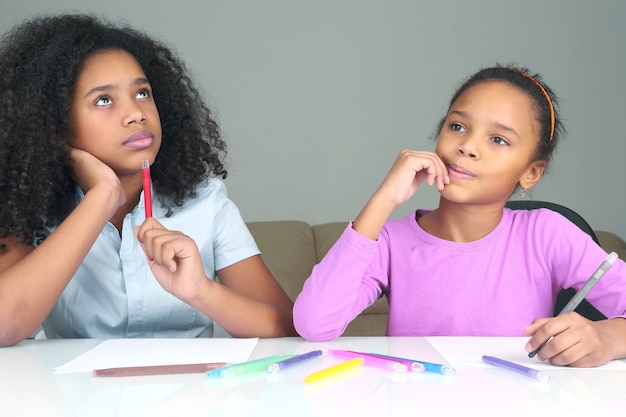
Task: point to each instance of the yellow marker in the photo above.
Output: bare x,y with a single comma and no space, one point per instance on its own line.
334,370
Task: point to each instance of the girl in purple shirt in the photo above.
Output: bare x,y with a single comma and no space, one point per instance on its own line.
472,267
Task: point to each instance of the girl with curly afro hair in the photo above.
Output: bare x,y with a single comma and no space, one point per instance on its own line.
83,102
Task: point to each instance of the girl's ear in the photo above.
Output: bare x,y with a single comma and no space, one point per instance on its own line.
532,175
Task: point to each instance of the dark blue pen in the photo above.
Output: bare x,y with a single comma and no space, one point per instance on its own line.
280,365
438,368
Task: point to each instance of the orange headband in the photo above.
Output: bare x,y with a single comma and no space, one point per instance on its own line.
545,93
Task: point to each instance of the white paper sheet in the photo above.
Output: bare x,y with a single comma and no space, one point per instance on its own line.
467,352
116,353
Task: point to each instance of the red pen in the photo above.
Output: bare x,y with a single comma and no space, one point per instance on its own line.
147,191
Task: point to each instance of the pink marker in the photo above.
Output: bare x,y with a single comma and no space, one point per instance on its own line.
369,360
147,191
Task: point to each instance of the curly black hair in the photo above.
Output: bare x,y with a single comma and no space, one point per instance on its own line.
40,60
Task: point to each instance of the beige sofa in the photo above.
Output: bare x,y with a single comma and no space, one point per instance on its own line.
291,249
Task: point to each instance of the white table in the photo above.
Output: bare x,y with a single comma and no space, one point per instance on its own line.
29,387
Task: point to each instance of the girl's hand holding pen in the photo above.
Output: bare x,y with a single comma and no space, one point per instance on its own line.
174,259
574,340
570,339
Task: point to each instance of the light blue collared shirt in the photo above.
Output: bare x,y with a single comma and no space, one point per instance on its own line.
115,295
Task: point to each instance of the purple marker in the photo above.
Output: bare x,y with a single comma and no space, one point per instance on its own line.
523,370
280,365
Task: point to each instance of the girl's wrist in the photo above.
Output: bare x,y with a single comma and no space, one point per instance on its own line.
372,218
109,193
202,296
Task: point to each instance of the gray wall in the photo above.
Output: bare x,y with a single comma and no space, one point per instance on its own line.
316,98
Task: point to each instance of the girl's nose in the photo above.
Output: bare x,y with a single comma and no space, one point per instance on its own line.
469,147
134,114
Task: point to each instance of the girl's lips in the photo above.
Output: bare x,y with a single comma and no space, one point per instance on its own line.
459,172
139,140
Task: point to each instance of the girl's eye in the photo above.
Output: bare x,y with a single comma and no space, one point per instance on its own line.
143,93
500,141
457,127
103,101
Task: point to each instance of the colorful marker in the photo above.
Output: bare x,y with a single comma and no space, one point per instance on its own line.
334,370
147,191
371,360
280,365
437,368
246,367
523,370
158,369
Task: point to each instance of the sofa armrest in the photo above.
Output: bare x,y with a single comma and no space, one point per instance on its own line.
610,242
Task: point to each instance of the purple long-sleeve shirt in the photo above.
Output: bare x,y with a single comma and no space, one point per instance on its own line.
495,286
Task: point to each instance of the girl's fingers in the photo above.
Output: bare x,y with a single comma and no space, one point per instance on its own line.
424,166
163,246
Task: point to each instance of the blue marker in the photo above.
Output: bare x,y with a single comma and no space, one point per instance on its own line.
280,365
437,368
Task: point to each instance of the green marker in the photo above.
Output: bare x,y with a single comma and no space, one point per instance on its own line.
247,367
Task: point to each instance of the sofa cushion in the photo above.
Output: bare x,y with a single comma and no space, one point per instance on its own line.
325,237
288,249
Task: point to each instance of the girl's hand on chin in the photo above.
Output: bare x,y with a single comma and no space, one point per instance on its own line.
89,172
409,171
